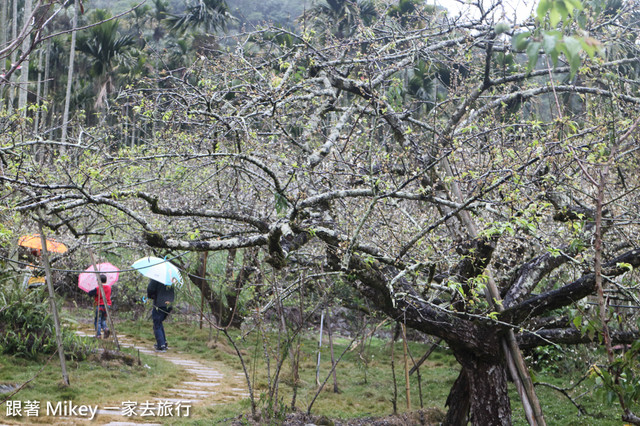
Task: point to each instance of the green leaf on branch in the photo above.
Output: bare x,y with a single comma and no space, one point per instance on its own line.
572,46
521,40
577,322
281,203
549,41
543,8
555,16
625,265
572,49
533,50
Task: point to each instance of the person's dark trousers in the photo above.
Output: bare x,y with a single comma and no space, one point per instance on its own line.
158,316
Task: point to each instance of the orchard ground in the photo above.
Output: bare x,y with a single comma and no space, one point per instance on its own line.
364,378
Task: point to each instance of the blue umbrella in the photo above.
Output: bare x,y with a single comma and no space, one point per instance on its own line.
159,269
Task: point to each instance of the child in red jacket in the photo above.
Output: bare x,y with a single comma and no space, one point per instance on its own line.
100,319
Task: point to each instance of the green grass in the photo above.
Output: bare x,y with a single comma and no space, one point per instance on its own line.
365,390
94,381
364,378
360,398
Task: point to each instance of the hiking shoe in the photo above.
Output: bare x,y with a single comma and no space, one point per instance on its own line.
98,336
107,333
159,349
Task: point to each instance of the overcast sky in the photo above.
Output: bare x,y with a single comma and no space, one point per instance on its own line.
513,11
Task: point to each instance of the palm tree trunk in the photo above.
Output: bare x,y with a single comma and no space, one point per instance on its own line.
4,26
46,151
24,75
72,54
125,128
14,35
45,89
3,23
36,118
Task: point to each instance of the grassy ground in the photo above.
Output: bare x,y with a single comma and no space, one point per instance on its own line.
106,382
364,378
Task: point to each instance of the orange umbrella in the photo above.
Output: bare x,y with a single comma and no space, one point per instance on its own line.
33,241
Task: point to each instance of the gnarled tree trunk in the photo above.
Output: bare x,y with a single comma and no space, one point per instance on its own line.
479,394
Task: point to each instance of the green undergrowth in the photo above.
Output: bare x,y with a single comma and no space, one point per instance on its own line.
27,328
364,376
558,410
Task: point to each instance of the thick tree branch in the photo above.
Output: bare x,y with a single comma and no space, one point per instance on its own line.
261,225
570,293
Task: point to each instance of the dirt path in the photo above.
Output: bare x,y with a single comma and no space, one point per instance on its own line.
205,383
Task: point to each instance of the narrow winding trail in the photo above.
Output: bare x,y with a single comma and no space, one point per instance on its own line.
205,383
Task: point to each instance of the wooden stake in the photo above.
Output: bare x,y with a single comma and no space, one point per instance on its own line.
333,361
407,385
54,308
319,347
394,401
425,356
203,274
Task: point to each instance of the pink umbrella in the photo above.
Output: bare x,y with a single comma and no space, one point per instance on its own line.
87,280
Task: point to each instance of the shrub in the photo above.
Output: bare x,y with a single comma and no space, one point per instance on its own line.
27,329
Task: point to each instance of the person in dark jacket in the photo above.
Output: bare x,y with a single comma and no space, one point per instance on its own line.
163,297
100,319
